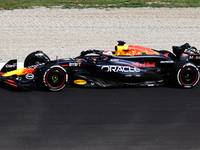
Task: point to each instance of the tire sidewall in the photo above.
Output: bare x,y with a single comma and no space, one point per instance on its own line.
178,72
31,59
47,70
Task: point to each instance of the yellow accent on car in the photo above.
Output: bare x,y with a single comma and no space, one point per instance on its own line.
80,82
19,72
119,48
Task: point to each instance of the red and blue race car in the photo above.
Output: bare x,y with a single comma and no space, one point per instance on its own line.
128,65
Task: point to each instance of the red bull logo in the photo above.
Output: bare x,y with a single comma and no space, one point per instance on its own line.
145,64
28,70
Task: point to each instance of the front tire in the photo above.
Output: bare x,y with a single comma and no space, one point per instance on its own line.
54,77
185,74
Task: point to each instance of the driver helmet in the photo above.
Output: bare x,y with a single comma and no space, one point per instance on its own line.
107,52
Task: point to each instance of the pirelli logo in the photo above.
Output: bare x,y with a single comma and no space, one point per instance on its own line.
80,82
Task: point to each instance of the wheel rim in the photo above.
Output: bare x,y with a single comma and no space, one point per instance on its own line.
55,78
188,76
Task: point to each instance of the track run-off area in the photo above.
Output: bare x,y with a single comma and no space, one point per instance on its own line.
151,118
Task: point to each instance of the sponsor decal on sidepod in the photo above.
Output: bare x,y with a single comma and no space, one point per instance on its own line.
80,82
119,69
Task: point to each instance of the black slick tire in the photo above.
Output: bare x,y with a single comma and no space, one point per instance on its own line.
185,74
35,58
54,77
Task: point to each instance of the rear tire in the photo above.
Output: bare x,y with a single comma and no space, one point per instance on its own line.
35,58
54,77
185,74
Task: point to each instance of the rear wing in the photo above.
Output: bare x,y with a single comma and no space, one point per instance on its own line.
9,66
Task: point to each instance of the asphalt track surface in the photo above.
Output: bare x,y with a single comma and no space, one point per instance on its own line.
156,118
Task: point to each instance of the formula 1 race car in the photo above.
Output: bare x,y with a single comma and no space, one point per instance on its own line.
128,65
